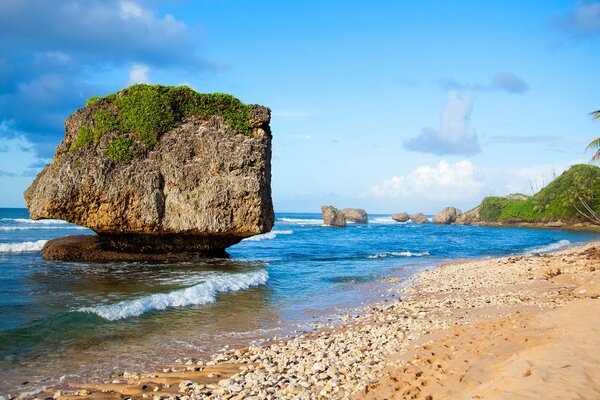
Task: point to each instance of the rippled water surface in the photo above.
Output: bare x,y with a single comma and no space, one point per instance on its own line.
80,320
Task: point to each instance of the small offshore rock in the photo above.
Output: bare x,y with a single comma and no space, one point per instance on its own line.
333,217
419,218
400,217
447,216
356,215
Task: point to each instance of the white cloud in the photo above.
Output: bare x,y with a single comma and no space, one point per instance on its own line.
445,181
131,10
455,135
464,183
138,73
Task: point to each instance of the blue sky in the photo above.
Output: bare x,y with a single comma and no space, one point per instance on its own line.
390,105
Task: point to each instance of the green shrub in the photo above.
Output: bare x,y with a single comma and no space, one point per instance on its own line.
120,150
84,138
92,100
104,122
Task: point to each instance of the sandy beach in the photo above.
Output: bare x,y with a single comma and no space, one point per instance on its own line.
517,327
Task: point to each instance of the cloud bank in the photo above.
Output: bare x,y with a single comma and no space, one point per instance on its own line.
445,181
455,135
463,182
50,49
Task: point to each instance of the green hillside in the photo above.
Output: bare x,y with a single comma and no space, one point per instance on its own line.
558,201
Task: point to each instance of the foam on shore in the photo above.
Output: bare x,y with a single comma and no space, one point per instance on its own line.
399,254
561,244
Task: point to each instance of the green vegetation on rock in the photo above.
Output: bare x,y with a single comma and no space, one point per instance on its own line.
144,112
562,199
85,137
121,149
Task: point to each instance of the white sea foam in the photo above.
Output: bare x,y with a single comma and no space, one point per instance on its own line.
41,222
202,293
268,235
399,254
382,221
561,244
22,247
302,221
40,228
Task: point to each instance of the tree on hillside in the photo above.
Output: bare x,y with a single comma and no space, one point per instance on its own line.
595,144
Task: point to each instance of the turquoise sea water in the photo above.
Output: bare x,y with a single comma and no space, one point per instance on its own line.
81,320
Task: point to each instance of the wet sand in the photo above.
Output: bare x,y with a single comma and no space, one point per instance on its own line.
514,327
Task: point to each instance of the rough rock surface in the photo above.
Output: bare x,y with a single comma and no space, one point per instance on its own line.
203,187
357,215
447,216
419,218
400,217
468,218
333,217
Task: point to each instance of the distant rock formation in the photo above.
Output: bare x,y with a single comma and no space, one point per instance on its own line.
469,217
182,184
357,215
517,196
419,218
333,217
447,216
400,217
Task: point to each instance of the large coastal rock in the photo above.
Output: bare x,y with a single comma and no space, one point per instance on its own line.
191,190
419,218
333,217
356,215
447,216
401,217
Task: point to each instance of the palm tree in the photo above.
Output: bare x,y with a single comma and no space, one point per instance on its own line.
595,144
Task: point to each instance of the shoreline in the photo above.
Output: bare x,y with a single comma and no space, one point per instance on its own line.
555,225
385,352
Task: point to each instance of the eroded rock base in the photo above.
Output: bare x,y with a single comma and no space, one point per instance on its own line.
144,248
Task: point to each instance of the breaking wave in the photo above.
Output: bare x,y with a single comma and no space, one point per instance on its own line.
202,293
41,222
302,221
399,254
561,244
268,235
383,221
22,247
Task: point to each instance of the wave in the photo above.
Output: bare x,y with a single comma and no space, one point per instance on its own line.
399,254
382,221
202,293
561,244
302,221
268,235
40,228
41,221
22,247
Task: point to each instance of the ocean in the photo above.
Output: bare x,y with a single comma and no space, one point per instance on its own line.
78,322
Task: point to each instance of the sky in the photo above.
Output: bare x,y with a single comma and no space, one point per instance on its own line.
389,106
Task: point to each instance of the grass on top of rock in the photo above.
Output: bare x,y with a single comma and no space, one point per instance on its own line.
562,199
144,112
